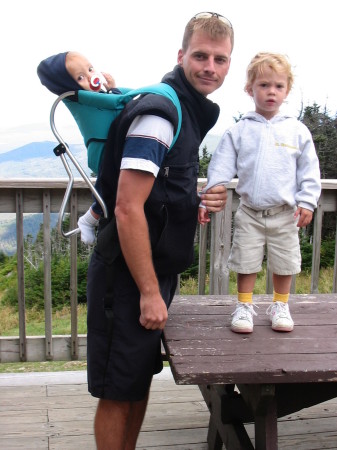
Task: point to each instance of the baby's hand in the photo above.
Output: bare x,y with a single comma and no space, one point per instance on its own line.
110,82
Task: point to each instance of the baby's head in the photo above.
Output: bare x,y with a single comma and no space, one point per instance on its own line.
80,69
54,75
274,61
83,72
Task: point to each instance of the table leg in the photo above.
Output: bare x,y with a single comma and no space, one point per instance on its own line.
231,433
262,400
213,437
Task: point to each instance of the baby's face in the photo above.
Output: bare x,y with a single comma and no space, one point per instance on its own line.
80,69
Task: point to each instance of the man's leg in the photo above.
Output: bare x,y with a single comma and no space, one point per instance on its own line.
117,424
138,410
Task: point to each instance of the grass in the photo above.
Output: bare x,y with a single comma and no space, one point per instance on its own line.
303,283
9,320
43,366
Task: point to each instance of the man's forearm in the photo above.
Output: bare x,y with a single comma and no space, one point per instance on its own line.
135,244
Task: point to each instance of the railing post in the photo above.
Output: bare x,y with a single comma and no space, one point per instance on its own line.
269,279
203,233
334,287
21,274
220,248
73,277
317,237
47,276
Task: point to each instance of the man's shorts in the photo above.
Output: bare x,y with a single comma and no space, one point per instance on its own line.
256,230
121,366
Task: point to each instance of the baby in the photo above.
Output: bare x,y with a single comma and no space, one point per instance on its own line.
71,71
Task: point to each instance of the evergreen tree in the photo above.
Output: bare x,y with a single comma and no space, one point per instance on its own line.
203,162
324,132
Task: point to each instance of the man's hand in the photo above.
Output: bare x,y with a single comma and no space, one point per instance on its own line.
215,198
304,217
153,312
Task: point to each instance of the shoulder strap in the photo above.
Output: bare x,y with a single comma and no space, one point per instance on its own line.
168,92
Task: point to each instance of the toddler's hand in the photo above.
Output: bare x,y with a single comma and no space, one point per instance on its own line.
203,216
304,217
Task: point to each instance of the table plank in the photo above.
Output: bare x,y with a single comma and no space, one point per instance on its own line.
203,350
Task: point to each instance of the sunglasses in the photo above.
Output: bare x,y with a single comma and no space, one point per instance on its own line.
209,15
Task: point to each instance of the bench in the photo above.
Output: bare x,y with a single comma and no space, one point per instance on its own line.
256,377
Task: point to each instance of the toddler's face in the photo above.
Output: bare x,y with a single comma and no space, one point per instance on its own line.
80,69
269,90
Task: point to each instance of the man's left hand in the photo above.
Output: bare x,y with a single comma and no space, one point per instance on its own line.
215,198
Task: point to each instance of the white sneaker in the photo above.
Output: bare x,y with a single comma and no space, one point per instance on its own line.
242,321
280,317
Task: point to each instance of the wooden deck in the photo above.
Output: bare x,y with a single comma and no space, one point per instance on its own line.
54,411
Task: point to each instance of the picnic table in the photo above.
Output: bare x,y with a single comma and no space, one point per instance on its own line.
258,377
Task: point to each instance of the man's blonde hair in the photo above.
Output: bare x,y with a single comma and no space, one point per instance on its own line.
275,61
212,26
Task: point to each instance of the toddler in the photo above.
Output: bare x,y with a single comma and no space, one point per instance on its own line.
274,158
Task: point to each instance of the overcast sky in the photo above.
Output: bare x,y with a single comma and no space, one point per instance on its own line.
137,42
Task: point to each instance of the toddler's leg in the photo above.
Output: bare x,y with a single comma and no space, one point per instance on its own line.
278,311
242,321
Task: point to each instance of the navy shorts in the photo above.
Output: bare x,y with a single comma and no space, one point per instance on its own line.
121,365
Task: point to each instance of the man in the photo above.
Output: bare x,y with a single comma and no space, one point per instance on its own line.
155,214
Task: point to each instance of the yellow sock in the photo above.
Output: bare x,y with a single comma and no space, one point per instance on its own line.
280,297
245,297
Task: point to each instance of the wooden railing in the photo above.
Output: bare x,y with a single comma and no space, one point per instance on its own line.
22,196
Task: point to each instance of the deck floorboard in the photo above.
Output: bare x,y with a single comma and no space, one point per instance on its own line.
55,412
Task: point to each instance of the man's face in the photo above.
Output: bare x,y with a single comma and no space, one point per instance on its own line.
206,62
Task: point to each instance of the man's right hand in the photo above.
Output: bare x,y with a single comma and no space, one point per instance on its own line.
153,312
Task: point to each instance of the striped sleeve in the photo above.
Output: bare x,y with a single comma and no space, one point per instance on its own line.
147,142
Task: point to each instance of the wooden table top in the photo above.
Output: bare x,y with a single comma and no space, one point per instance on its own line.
203,350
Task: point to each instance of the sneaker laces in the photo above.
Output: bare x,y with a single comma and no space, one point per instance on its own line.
244,310
278,308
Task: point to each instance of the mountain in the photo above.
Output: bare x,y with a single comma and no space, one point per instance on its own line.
31,225
37,159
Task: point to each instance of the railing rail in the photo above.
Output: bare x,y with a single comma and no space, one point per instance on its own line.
45,196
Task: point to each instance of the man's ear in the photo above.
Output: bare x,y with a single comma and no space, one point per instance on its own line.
180,57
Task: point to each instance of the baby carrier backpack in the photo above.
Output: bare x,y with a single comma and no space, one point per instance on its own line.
94,113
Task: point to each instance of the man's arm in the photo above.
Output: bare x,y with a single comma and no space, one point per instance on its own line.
134,187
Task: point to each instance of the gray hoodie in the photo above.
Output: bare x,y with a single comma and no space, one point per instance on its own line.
275,161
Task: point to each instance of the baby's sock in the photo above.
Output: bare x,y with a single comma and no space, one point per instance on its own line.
245,297
280,297
87,224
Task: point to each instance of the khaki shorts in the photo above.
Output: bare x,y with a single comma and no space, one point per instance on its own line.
272,230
